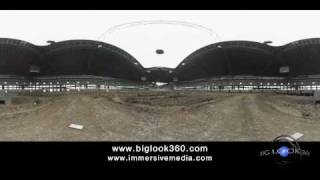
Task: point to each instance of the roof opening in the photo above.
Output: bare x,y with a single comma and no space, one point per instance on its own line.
160,51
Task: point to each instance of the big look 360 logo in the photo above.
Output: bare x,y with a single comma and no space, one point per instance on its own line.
285,151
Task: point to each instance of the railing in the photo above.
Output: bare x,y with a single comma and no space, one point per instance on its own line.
298,85
67,83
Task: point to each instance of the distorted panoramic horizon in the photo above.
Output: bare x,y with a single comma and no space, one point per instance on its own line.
148,75
176,34
186,80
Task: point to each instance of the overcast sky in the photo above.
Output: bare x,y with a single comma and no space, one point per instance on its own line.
177,40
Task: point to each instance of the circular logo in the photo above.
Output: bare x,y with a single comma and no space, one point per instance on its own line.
285,147
283,151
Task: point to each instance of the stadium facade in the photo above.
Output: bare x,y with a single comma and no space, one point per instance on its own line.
230,65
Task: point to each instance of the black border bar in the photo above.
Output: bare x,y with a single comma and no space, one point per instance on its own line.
94,155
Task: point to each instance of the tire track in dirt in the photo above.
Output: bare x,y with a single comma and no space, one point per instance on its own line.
123,122
85,110
290,123
276,107
21,112
32,126
193,122
247,118
273,122
232,117
264,118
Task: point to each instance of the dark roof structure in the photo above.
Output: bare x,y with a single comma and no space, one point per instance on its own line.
85,57
17,56
303,57
230,58
160,74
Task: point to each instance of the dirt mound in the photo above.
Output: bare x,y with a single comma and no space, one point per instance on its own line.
164,98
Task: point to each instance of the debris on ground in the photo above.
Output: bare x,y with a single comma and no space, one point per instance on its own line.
297,136
306,114
76,126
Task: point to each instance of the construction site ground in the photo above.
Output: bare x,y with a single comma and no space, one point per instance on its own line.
158,116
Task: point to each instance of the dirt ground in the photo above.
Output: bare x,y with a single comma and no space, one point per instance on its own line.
159,116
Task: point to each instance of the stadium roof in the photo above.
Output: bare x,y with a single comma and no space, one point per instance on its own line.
230,58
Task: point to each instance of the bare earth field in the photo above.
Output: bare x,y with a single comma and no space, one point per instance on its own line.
159,116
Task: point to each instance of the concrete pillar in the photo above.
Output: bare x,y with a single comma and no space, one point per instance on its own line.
316,96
